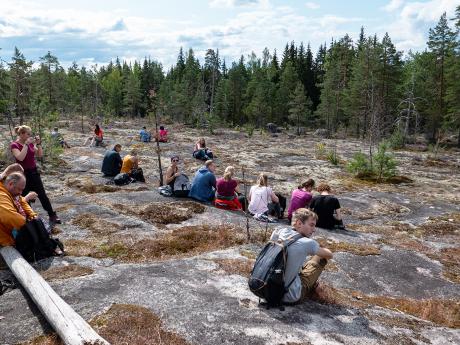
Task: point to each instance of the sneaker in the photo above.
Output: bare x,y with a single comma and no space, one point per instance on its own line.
54,219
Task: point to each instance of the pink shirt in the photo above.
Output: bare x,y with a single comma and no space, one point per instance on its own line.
163,133
299,199
29,160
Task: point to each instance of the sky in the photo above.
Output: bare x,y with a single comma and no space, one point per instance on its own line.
93,32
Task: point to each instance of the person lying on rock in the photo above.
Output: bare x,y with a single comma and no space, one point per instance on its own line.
112,162
262,200
144,135
130,166
204,183
227,191
305,260
301,197
14,209
201,152
327,207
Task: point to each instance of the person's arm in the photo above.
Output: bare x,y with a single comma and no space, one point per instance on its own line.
135,161
11,218
169,176
249,196
27,209
30,196
38,148
338,215
20,155
274,197
324,253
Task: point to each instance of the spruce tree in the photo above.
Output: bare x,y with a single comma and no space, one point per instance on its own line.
299,107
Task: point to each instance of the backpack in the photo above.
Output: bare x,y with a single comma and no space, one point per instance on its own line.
181,186
267,276
137,175
122,179
35,243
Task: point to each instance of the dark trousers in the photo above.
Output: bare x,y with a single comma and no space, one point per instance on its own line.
277,209
34,184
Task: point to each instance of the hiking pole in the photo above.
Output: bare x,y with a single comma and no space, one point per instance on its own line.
246,205
152,96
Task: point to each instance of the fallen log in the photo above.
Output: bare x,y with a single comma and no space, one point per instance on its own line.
71,327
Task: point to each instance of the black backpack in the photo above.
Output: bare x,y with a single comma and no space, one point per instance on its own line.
181,186
122,179
35,243
267,276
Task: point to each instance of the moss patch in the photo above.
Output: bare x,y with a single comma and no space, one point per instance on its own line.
450,259
180,242
87,186
65,272
95,224
356,249
124,324
164,212
443,312
236,266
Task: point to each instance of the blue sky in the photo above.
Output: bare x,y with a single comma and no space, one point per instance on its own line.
96,31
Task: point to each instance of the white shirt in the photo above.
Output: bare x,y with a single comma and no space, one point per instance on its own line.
260,197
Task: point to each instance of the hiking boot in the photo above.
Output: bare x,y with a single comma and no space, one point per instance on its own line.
54,219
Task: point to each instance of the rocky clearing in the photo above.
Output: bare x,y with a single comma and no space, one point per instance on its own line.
144,267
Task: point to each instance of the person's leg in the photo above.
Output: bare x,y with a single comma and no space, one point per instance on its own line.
242,201
339,224
309,275
209,154
274,209
35,184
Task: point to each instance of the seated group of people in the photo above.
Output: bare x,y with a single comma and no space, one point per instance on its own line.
146,136
262,201
113,164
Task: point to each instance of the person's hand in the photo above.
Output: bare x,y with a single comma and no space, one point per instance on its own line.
31,196
177,174
38,140
30,140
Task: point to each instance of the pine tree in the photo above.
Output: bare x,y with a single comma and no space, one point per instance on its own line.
441,44
299,107
49,67
4,88
20,73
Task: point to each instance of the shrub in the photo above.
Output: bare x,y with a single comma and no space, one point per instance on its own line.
384,162
320,150
396,140
333,157
250,130
359,165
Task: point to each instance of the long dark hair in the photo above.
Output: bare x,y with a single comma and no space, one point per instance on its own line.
97,130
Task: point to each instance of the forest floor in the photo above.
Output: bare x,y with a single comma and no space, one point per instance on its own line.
146,269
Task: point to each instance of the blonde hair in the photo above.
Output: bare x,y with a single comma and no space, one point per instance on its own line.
208,163
133,152
303,214
22,129
228,173
262,180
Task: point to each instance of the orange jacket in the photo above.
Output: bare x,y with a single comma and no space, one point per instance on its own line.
10,218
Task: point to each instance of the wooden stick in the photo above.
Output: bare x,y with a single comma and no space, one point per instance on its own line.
71,327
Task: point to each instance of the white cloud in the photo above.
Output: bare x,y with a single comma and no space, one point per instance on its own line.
312,5
235,3
393,5
409,30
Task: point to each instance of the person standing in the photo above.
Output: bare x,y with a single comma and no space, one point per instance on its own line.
24,150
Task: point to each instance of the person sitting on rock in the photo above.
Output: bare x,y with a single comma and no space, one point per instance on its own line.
201,152
162,135
262,200
144,135
112,162
301,197
327,207
172,172
58,138
98,137
16,167
204,183
301,275
130,166
227,191
14,209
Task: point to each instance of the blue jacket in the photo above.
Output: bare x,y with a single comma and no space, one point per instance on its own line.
203,185
145,136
